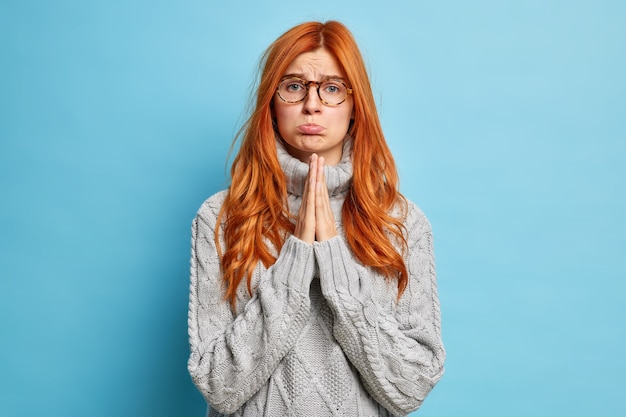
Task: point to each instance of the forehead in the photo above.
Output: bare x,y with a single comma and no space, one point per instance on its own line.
315,65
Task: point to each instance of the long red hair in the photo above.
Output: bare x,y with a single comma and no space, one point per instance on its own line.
255,209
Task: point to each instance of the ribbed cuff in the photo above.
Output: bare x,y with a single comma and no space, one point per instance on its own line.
295,265
338,270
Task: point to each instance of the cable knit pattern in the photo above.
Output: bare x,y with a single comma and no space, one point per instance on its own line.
322,335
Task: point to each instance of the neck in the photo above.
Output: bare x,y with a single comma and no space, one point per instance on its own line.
330,158
338,176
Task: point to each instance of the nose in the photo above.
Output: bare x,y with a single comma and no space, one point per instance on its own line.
312,102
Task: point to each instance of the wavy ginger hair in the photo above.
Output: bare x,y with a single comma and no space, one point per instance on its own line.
255,209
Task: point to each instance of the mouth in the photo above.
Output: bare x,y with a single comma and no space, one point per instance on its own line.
310,129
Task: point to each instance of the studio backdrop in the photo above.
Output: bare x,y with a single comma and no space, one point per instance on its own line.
507,121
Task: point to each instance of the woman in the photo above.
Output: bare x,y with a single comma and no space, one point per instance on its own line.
313,287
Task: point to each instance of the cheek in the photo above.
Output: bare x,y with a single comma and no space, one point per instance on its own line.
284,121
283,115
345,117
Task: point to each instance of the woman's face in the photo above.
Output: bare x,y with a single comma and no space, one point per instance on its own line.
310,126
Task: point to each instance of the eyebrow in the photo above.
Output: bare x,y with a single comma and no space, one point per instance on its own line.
324,78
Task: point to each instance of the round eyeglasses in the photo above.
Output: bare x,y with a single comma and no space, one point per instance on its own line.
331,92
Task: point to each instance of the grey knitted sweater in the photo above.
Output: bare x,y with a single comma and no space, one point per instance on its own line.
322,335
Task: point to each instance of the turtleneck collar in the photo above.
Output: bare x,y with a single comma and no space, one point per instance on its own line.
338,177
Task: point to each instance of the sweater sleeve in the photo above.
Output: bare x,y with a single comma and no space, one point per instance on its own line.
233,355
396,347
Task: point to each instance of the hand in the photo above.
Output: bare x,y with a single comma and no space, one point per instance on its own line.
305,223
315,218
324,219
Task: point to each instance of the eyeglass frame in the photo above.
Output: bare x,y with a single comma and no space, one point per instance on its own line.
307,87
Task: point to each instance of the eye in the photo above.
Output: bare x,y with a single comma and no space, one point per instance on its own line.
294,86
332,87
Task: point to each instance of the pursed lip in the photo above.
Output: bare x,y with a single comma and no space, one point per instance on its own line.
310,129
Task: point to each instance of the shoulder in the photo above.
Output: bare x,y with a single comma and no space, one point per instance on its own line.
414,219
210,208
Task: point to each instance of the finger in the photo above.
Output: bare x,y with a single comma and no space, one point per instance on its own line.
313,169
320,186
320,180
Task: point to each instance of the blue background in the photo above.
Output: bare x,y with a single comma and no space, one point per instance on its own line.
508,122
